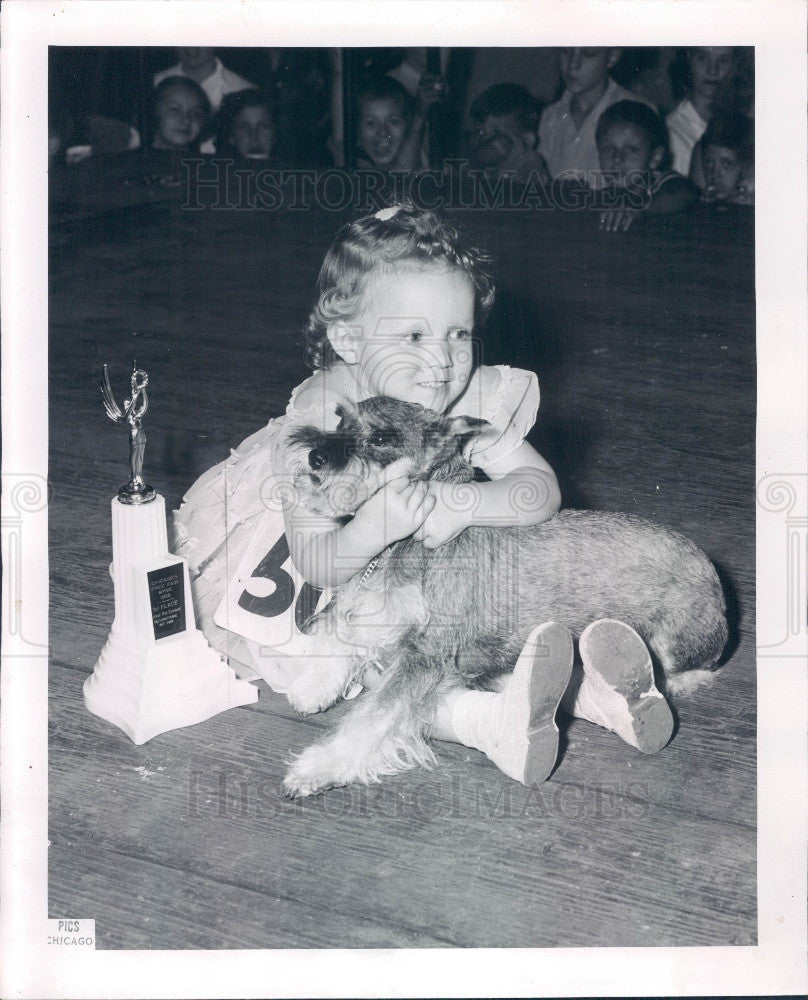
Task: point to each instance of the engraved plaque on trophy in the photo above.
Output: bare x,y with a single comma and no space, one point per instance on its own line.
156,671
167,600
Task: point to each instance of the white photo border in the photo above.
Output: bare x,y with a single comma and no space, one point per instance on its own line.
777,964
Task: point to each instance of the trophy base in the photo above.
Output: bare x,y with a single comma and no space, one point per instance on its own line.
137,494
175,683
156,671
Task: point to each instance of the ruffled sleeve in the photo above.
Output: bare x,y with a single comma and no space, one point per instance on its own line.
315,401
508,398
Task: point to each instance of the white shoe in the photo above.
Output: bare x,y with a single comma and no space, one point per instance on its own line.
516,728
621,694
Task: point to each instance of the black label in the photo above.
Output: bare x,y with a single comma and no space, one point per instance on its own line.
167,596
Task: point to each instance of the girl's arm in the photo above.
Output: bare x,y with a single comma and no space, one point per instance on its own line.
326,553
523,491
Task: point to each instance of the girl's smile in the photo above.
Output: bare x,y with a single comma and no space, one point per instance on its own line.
382,128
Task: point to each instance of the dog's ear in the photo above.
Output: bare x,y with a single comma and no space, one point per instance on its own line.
307,435
347,416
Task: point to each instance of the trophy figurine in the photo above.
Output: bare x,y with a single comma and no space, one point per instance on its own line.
156,671
135,491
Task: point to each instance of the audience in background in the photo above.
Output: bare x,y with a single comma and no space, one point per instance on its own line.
708,72
633,149
246,126
180,115
728,155
205,68
505,138
391,125
567,129
597,132
536,70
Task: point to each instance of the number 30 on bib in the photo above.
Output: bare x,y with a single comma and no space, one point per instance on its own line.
267,600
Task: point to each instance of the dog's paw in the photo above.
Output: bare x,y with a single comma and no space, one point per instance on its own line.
307,698
310,773
318,687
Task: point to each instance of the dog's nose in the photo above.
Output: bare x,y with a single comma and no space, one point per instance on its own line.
316,459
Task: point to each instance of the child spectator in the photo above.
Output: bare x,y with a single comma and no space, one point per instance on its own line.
246,125
707,71
633,149
506,137
567,129
391,124
728,153
181,115
205,68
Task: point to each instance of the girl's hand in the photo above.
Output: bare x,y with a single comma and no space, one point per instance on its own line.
397,510
450,515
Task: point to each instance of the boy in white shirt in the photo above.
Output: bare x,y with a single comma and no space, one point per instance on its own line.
567,129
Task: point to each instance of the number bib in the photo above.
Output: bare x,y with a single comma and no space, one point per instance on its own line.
267,600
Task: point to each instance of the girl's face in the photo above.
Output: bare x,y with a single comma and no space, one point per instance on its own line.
382,128
722,171
254,133
709,67
626,148
180,118
413,338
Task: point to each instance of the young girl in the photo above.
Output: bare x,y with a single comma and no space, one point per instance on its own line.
181,115
399,300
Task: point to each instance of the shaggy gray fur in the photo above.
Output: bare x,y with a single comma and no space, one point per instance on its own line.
459,614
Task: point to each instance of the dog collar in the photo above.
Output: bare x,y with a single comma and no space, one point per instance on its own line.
371,566
374,562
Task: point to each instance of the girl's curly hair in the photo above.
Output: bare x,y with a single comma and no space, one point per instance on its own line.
401,235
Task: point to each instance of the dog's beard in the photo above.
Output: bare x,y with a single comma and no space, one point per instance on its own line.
338,493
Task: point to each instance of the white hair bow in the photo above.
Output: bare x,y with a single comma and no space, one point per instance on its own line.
384,214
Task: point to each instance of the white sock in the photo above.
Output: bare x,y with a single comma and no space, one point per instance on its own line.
515,727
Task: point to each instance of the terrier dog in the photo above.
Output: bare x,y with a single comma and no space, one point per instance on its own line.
458,615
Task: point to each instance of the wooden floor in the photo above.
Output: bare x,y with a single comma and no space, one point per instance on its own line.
644,345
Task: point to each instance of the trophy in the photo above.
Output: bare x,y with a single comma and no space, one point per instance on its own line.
156,671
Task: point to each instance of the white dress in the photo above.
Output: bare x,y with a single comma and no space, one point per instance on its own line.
248,598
